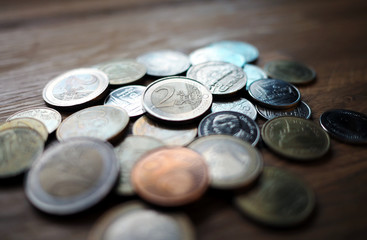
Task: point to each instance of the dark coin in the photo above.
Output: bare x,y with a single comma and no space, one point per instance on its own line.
249,51
301,110
241,105
210,54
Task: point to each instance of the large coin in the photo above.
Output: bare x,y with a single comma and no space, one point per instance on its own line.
213,54
253,74
177,99
232,162
72,176
219,77
249,51
171,176
29,123
241,105
301,110
280,199
295,138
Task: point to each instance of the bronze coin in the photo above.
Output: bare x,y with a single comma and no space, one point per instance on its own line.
29,123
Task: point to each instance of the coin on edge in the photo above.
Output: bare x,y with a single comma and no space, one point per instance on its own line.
32,123
249,51
241,105
253,74
301,110
209,54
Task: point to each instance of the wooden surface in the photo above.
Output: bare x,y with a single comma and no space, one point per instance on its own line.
40,39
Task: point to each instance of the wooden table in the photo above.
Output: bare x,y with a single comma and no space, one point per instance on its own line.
40,39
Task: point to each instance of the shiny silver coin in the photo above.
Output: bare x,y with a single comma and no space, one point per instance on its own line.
249,51
301,110
219,77
129,98
164,62
274,93
241,105
253,74
212,54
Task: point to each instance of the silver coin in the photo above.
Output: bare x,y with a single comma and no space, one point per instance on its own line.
301,110
253,74
249,51
212,54
241,105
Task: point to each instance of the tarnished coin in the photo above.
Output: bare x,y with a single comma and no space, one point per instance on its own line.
176,99
274,93
19,148
170,176
241,105
249,51
230,123
219,77
102,122
232,162
32,123
48,116
135,221
129,98
213,54
129,152
280,199
345,125
290,71
76,87
253,74
164,62
295,138
301,110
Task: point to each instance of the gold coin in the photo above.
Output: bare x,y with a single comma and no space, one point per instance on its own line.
27,122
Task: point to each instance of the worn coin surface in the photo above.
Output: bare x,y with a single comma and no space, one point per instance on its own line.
249,51
253,74
241,105
219,77
232,162
295,138
345,125
301,110
27,122
171,176
210,54
72,176
280,199
176,99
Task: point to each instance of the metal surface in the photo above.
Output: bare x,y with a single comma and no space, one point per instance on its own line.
301,110
210,54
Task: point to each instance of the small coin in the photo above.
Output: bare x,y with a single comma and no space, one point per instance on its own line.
219,77
128,98
213,54
230,123
345,125
280,199
171,176
102,122
48,116
249,51
76,87
135,221
301,110
253,74
164,62
295,138
32,123
176,99
290,71
72,176
241,105
274,93
232,162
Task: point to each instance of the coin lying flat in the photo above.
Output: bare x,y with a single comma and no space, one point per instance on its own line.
32,123
345,125
72,176
253,74
211,54
301,110
135,221
241,105
295,138
170,176
249,51
232,162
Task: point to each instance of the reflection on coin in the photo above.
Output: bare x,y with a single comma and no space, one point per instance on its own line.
128,98
173,136
253,74
279,199
249,51
241,105
72,176
274,93
232,162
76,87
345,125
32,123
301,110
164,62
48,116
295,138
170,176
219,77
176,99
230,123
19,148
212,54
102,122
129,152
135,221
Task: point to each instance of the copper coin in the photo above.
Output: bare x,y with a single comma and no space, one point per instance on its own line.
29,123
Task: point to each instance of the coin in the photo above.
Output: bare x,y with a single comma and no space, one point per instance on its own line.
249,51
164,62
170,176
72,176
280,199
345,125
48,116
210,54
301,110
290,71
129,152
102,122
176,99
76,87
253,74
274,93
135,221
230,123
32,123
295,138
219,77
232,162
241,105
128,98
